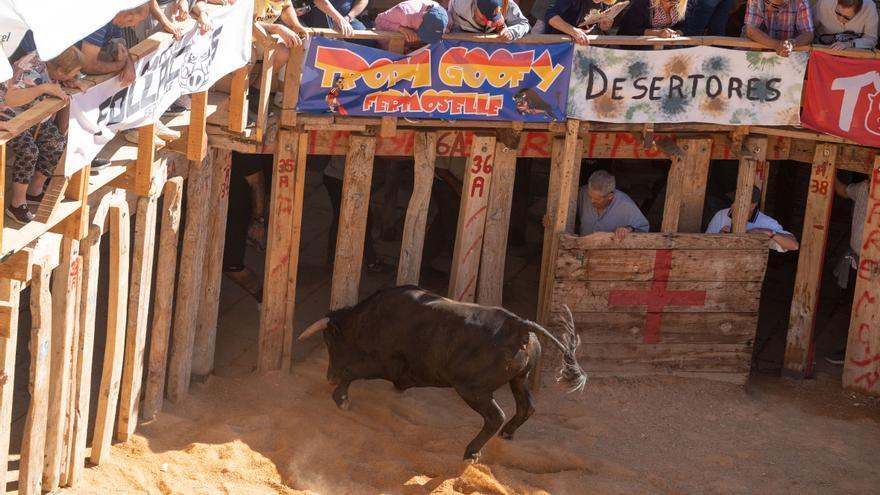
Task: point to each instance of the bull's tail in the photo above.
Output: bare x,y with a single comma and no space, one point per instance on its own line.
570,372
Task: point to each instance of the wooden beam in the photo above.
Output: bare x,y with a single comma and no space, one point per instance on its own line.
698,153
477,183
10,294
196,144
238,103
674,192
212,271
34,441
754,153
17,266
491,280
413,241
163,300
799,350
264,100
861,369
64,290
52,198
84,347
352,222
114,349
138,315
278,249
69,433
293,71
190,279
146,157
295,233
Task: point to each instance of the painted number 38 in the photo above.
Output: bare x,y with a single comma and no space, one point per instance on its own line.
481,164
819,186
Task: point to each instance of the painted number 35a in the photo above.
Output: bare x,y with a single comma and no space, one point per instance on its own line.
819,186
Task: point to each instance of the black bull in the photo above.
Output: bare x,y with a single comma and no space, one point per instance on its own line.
414,338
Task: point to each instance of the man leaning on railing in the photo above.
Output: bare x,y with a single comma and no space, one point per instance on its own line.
502,17
846,24
781,25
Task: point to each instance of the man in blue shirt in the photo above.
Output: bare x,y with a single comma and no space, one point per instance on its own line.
758,223
603,208
104,51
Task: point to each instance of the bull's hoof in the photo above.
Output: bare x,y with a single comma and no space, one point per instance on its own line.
344,403
472,458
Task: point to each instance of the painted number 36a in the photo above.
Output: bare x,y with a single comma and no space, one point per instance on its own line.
819,186
483,163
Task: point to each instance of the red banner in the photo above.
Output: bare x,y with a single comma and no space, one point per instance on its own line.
843,98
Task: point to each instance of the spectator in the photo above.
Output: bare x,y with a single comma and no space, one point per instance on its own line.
781,25
658,18
604,208
341,15
485,16
846,24
566,17
162,15
420,21
290,31
38,149
539,12
707,17
758,223
333,175
104,51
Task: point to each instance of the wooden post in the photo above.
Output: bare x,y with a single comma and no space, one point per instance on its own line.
352,221
295,233
477,183
64,290
196,144
278,249
491,281
70,428
754,152
9,293
34,441
91,250
265,91
163,300
799,351
697,154
146,156
206,328
138,315
413,242
290,97
861,370
114,350
674,187
190,280
238,104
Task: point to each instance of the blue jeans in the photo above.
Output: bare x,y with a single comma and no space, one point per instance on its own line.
707,16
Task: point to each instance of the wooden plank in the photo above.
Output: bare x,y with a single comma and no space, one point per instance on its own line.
17,266
114,350
238,105
413,241
295,234
138,315
64,290
861,370
280,235
696,174
163,300
352,222
206,329
52,198
675,186
721,297
265,91
292,73
34,440
799,351
10,293
654,359
145,158
477,183
196,144
638,265
84,347
755,151
491,280
678,328
190,279
71,406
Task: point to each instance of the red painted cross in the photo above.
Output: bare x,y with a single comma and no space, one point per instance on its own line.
658,297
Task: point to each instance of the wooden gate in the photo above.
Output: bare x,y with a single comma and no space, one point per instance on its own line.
675,304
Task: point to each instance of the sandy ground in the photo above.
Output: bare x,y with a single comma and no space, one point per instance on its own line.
283,434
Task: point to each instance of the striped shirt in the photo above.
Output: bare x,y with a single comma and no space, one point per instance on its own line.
788,22
103,35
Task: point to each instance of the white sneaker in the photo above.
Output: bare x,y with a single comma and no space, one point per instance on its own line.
166,133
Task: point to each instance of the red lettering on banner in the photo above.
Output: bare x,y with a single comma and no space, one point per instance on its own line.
657,297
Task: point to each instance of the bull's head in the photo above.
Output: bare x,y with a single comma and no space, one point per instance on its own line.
343,354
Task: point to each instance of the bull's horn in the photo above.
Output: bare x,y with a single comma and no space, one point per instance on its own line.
314,328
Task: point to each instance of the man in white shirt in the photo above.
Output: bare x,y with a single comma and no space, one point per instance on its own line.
846,24
758,223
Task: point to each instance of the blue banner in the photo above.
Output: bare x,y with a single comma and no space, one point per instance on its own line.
446,80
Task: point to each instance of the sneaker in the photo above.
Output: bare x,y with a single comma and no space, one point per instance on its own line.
836,358
175,109
166,133
99,163
19,214
34,200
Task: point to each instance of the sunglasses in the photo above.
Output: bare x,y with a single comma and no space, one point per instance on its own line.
844,17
